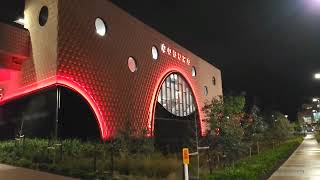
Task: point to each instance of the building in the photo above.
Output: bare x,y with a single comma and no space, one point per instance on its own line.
309,113
127,73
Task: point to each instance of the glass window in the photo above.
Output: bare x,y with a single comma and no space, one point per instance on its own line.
213,80
132,64
154,52
43,15
101,28
205,90
179,98
193,71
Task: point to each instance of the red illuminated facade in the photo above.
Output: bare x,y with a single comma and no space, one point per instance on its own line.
66,49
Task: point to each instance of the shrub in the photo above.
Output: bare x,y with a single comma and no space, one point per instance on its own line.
155,165
257,165
317,136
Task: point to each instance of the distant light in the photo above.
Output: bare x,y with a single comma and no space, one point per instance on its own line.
317,76
312,6
286,116
20,21
315,99
314,111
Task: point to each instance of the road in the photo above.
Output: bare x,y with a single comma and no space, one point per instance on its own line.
16,173
304,163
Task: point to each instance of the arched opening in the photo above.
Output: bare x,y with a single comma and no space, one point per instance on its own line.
176,121
34,116
76,118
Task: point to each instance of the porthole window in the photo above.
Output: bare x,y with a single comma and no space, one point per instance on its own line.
205,90
194,71
101,27
132,64
154,52
43,15
213,80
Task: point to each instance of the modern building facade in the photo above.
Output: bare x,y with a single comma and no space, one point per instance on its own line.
125,70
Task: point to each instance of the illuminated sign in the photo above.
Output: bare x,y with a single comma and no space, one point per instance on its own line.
175,54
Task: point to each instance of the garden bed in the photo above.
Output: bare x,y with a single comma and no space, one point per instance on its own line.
87,160
259,166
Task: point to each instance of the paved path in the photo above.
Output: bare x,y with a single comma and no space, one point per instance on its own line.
304,163
16,173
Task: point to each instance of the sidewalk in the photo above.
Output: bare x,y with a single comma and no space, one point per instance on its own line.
16,173
304,163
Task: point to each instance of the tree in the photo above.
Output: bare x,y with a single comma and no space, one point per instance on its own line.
279,127
255,125
227,114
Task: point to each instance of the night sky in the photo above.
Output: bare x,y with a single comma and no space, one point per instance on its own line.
266,48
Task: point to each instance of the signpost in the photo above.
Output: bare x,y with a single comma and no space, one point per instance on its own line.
185,158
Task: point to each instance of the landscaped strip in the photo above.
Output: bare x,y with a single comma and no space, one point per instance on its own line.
87,160
257,166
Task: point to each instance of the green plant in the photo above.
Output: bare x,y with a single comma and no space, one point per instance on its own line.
317,136
257,165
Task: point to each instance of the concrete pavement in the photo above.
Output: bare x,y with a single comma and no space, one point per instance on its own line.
304,163
16,173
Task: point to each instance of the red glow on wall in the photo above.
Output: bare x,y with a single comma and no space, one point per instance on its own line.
1,93
4,74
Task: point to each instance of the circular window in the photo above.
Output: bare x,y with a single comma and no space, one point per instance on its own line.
154,52
205,91
101,28
132,64
194,71
43,16
213,80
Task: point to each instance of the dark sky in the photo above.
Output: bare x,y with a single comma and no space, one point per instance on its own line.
267,48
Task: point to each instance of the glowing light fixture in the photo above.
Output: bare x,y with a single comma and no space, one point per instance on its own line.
154,52
315,99
20,21
100,27
317,76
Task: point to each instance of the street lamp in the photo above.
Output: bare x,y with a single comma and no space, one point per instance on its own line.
317,75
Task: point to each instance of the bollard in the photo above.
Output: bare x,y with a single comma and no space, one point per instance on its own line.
273,145
250,151
95,158
112,158
258,149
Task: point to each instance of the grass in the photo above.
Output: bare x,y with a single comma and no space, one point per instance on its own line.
257,166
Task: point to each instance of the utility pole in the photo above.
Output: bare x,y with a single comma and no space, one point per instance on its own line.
57,113
197,142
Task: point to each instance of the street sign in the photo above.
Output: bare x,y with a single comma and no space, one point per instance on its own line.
185,155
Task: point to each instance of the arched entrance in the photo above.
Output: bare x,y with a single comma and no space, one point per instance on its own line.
76,118
176,123
35,116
